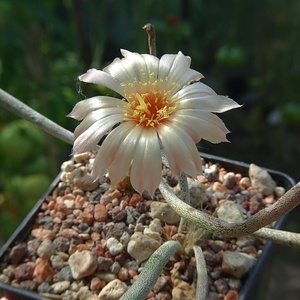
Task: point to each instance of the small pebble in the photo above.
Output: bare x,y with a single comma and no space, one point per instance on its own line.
113,290
82,264
60,287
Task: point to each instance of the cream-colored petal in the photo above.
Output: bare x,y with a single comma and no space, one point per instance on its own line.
197,89
102,78
152,63
210,126
97,115
84,107
165,65
190,98
188,128
117,70
180,73
146,165
180,150
109,148
88,139
123,157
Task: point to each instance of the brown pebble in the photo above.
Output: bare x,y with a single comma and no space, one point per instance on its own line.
90,208
82,247
69,233
72,249
221,286
24,271
269,199
101,213
68,197
79,201
99,251
230,180
44,206
192,262
123,274
95,236
121,258
218,187
85,236
109,206
231,295
57,220
150,296
43,234
49,198
179,265
42,271
160,283
90,243
107,254
17,253
135,199
117,214
256,203
51,205
105,199
245,182
170,230
86,217
115,194
132,273
97,284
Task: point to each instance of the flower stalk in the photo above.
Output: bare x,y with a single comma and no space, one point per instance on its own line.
264,217
23,111
202,278
151,271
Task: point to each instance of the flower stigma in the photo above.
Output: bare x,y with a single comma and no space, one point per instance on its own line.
151,105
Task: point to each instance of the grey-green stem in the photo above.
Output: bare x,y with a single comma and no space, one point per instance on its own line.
151,271
202,278
264,217
281,237
22,110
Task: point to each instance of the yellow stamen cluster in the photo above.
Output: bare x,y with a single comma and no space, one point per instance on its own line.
149,104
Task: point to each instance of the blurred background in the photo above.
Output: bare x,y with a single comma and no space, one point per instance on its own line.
248,50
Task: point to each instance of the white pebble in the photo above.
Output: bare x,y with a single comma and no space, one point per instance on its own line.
113,290
114,246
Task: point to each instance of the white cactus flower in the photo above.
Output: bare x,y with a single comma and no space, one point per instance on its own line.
159,107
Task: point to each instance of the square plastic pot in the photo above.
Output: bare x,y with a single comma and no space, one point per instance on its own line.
255,285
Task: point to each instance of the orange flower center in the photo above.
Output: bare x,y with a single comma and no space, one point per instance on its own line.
148,103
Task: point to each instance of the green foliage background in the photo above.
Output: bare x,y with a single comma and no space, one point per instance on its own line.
246,49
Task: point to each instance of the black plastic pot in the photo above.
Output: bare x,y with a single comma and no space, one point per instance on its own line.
255,286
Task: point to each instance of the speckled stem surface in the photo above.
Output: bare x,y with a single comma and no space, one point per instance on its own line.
152,269
264,217
22,110
281,237
202,278
186,197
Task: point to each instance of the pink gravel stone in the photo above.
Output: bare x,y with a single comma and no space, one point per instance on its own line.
97,284
101,213
135,199
42,271
86,217
79,201
218,187
68,233
43,234
95,236
115,194
160,283
231,295
123,274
